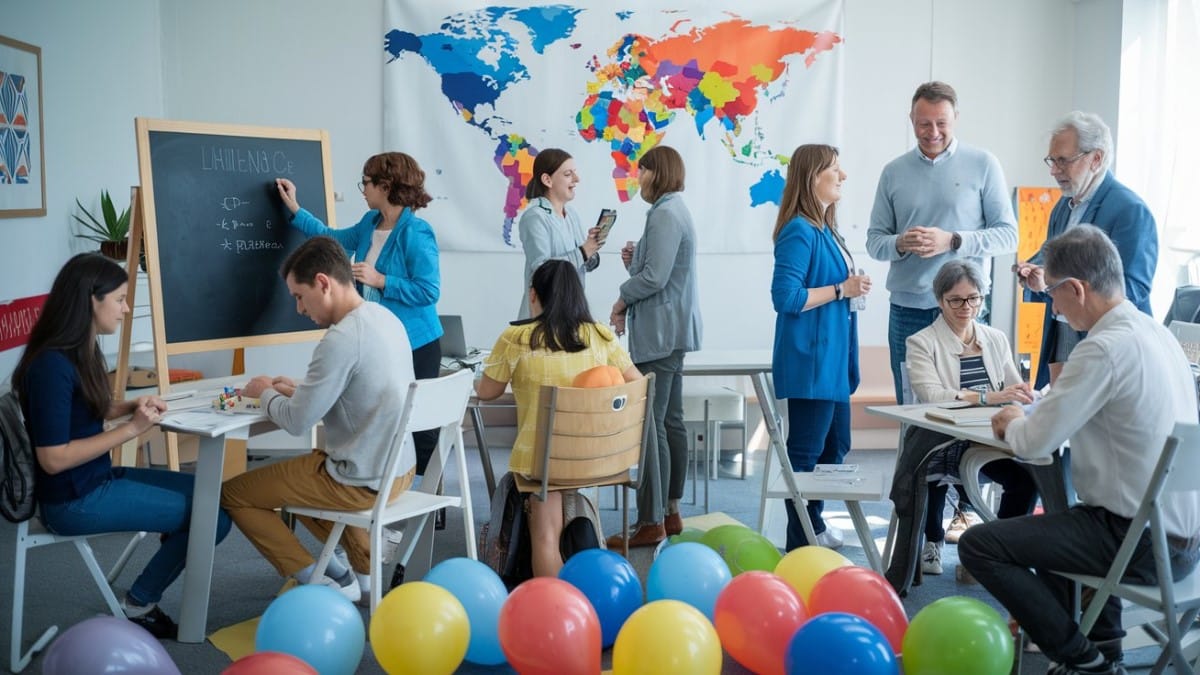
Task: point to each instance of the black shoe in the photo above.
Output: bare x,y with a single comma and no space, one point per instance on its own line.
158,624
397,577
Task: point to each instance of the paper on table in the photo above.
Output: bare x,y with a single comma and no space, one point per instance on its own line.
194,419
977,416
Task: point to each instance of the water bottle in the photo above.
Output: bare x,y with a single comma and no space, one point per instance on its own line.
859,303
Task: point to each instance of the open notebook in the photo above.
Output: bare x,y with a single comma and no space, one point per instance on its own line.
974,415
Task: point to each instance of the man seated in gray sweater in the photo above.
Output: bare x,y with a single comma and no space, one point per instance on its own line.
356,382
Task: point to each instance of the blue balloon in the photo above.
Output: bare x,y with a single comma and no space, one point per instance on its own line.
317,625
689,572
107,644
839,644
482,594
610,583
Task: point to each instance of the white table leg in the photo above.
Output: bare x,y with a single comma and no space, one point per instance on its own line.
197,575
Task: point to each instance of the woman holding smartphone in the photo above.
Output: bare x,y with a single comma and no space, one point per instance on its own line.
660,304
549,228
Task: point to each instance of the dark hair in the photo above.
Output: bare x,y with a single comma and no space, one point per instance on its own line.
564,308
403,176
1085,252
668,174
546,162
936,91
318,255
66,324
798,198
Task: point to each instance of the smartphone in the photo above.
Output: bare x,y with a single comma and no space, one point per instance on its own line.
608,217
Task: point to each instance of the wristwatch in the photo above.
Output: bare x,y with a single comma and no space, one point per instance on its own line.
955,241
982,397
837,291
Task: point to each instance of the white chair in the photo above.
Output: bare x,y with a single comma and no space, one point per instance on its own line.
969,466
32,534
783,483
706,412
430,404
1174,604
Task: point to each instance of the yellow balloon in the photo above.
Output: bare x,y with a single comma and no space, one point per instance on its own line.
666,637
420,628
803,567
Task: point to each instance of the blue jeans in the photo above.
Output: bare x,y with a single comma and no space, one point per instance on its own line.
903,322
136,500
818,433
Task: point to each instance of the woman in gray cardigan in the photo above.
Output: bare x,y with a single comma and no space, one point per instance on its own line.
661,307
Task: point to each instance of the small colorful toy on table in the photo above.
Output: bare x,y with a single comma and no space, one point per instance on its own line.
231,400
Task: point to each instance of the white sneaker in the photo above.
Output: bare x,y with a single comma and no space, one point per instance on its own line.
339,554
931,558
831,538
350,590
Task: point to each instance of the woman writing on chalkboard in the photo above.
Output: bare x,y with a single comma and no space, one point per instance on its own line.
62,383
549,228
395,258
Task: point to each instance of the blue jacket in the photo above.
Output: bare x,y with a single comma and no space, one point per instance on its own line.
816,352
409,260
1126,219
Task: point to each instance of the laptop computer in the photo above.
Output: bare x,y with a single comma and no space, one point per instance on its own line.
454,341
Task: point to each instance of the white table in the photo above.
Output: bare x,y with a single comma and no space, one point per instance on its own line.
193,416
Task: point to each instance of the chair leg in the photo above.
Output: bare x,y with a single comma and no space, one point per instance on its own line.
19,660
625,521
335,535
89,559
468,514
123,559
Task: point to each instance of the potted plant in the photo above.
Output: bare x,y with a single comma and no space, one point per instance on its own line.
112,233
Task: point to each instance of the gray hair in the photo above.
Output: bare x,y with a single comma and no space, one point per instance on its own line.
1091,132
954,272
1085,253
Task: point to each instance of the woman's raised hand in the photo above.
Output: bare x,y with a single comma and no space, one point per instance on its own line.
287,192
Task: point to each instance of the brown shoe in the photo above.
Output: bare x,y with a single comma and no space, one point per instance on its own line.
646,535
673,524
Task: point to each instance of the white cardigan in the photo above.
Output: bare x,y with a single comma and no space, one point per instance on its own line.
934,355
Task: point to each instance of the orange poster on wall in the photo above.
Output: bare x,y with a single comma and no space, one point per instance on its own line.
1033,206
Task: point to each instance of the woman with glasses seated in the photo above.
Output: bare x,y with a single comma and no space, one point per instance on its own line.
395,258
956,358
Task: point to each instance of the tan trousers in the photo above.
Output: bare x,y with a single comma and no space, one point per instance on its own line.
252,498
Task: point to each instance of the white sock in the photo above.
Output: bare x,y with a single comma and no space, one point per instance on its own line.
133,610
364,582
334,570
672,506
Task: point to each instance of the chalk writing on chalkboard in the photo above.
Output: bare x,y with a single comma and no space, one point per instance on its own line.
217,229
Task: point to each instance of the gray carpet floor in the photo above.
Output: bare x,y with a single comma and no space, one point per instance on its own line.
59,590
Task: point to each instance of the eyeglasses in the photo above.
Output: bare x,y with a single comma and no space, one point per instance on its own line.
972,300
362,184
1054,287
1061,163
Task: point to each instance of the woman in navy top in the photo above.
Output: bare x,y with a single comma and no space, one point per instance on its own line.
62,383
395,257
815,362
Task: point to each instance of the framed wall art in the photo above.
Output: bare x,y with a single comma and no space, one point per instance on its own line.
22,159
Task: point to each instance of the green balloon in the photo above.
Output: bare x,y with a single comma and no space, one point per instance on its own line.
688,534
957,635
753,553
742,549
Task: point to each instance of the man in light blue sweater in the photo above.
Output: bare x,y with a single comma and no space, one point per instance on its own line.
942,201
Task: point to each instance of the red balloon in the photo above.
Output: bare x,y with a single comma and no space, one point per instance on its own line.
547,626
756,615
861,592
269,663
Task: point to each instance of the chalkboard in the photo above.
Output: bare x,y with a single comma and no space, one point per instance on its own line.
216,230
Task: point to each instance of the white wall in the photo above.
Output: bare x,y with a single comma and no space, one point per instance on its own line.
100,69
313,63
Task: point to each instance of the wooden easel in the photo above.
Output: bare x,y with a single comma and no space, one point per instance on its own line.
235,450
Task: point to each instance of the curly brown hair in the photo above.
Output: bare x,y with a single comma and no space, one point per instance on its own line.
403,178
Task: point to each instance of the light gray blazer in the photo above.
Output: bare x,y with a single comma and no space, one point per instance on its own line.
934,358
662,295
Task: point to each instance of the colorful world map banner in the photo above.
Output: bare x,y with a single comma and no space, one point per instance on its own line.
475,92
